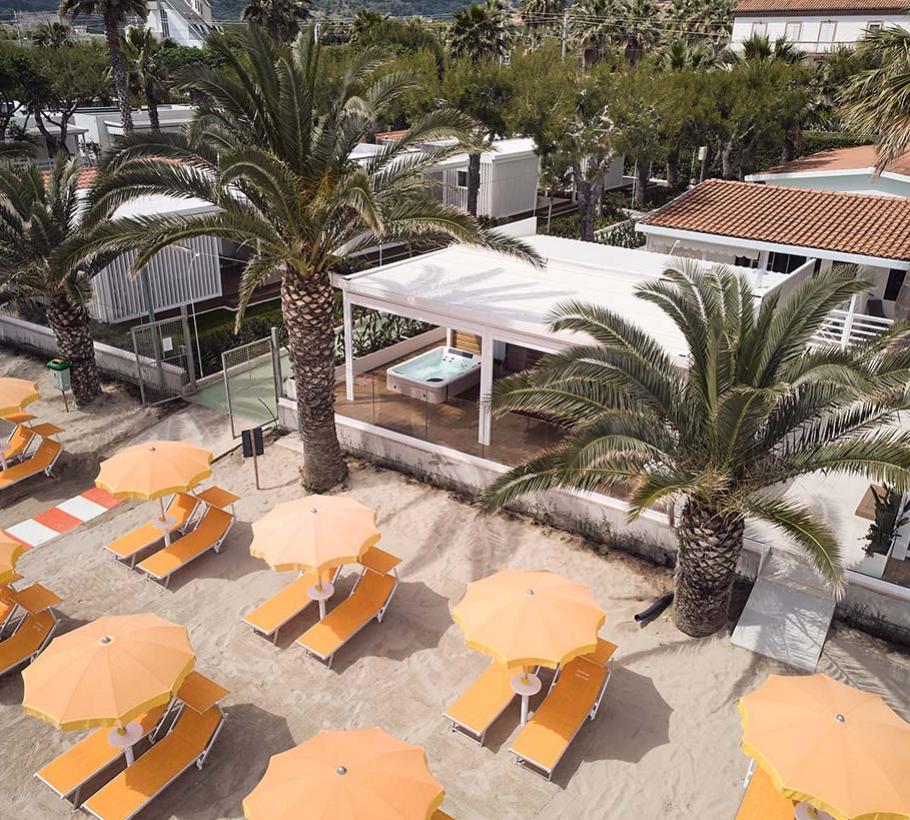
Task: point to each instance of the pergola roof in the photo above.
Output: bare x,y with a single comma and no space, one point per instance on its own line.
477,290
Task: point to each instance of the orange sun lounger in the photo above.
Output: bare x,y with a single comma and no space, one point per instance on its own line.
181,508
69,772
369,599
188,742
575,694
268,618
42,461
762,800
209,534
18,443
478,707
27,642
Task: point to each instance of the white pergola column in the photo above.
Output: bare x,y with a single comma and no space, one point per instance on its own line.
348,325
485,420
848,321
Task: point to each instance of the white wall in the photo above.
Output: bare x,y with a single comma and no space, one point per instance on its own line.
852,183
809,35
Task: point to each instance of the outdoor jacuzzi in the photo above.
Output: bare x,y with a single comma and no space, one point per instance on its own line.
435,375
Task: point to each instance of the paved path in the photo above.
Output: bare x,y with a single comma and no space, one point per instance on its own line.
788,613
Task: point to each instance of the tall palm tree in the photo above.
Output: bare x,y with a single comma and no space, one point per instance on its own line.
756,408
52,35
540,15
282,175
142,50
481,31
281,18
115,14
877,100
760,49
593,27
39,211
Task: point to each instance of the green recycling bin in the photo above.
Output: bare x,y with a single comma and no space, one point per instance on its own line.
60,370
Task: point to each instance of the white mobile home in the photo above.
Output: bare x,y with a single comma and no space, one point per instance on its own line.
102,125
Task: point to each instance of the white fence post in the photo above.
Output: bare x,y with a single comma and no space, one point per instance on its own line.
848,322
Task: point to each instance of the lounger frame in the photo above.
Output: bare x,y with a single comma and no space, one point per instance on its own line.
466,731
47,639
327,660
181,529
164,580
198,761
75,793
274,633
541,770
48,471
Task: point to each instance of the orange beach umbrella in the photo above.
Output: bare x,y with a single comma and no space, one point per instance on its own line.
154,469
360,775
837,748
317,532
10,552
108,672
16,394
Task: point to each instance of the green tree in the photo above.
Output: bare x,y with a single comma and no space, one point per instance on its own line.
754,409
59,81
481,31
282,175
482,90
143,52
540,17
14,69
39,212
52,35
281,18
114,13
877,100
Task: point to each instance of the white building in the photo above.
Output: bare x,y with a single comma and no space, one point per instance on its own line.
186,22
794,232
102,125
841,169
816,26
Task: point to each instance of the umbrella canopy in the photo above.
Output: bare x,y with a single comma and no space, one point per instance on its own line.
316,532
363,775
837,748
154,469
529,618
10,552
16,394
108,672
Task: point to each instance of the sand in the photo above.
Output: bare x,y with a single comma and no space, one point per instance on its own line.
665,744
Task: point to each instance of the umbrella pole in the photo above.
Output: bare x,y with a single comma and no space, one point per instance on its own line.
167,532
2,460
525,684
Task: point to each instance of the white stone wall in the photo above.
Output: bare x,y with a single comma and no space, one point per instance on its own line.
813,34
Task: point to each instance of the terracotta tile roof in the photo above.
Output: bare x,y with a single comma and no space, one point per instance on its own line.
86,176
859,158
862,224
810,7
389,135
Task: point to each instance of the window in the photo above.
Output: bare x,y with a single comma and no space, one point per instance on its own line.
461,179
165,28
759,29
793,32
895,283
784,262
874,26
745,262
826,31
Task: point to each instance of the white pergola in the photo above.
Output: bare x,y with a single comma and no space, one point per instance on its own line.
503,299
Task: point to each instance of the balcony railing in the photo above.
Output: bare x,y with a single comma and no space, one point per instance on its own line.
845,328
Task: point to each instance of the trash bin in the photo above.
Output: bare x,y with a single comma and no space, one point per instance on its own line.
60,370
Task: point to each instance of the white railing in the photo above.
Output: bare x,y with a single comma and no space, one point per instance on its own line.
845,328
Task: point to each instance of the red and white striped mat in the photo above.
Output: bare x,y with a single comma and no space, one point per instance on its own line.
66,516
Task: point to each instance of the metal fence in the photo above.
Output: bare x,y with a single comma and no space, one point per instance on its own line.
164,359
252,378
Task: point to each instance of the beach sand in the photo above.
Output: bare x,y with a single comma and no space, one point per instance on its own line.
664,745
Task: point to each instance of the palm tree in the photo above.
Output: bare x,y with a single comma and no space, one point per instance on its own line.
115,14
539,15
143,54
282,175
481,31
52,35
593,27
281,18
760,49
756,408
39,211
877,100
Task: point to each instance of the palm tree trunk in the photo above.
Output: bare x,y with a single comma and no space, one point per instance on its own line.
307,306
118,71
70,323
473,182
152,100
709,548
